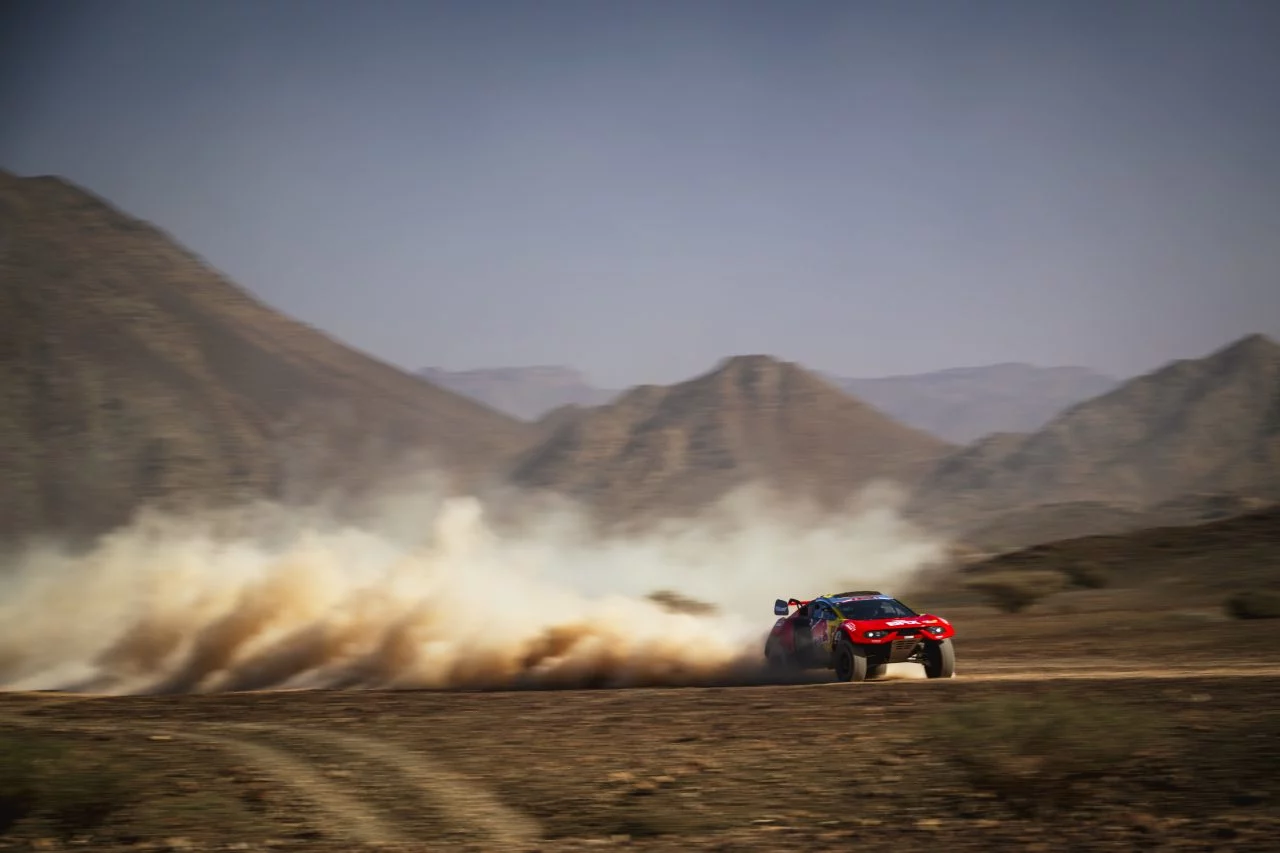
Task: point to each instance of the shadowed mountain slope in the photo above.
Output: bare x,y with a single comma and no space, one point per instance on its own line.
1206,425
132,372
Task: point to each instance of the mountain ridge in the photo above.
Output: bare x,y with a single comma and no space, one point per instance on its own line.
956,404
750,418
1195,425
132,372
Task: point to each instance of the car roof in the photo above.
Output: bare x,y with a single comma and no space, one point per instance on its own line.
843,597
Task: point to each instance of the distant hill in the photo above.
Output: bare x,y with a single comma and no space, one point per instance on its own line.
1206,425
1197,563
963,404
1020,528
663,449
132,372
527,393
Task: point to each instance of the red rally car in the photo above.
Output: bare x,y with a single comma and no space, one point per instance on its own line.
858,634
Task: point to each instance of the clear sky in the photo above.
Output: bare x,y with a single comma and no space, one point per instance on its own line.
638,189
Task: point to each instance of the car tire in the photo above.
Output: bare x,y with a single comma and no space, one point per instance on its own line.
850,662
879,670
940,659
776,656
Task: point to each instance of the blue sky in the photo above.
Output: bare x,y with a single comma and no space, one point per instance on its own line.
639,189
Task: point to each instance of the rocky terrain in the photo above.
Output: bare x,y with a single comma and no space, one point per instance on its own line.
1127,714
1029,755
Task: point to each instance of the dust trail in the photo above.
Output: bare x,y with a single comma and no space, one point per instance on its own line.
427,593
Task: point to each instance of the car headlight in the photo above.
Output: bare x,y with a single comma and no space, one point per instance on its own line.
875,634
936,629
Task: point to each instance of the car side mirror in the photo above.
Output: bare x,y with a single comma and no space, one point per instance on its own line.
779,608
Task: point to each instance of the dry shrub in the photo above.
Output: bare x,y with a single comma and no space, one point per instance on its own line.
1013,592
21,765
1087,574
1039,755
43,779
1254,604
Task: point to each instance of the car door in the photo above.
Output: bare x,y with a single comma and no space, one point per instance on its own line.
795,633
820,627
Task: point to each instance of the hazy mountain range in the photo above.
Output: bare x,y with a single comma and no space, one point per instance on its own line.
132,373
1204,425
964,404
957,405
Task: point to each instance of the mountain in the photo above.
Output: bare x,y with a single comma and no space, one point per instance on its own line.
527,393
665,449
965,403
957,405
132,372
1207,425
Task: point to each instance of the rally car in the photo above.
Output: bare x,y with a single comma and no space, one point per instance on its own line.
858,634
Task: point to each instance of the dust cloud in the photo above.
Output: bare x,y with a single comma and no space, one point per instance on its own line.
428,592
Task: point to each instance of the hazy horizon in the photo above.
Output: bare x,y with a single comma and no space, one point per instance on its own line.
637,192
712,366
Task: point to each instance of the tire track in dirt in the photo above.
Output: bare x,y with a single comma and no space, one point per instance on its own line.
343,815
469,805
1069,671
1054,672
336,813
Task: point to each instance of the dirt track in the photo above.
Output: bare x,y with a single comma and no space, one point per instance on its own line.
1092,671
785,767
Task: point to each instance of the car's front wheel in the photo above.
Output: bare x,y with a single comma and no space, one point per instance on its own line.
850,662
940,659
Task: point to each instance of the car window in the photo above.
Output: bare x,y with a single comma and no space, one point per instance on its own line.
882,608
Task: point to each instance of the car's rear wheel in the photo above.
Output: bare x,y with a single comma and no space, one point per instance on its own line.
877,670
940,659
776,655
850,662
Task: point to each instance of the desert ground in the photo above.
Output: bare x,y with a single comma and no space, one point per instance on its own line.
1067,727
